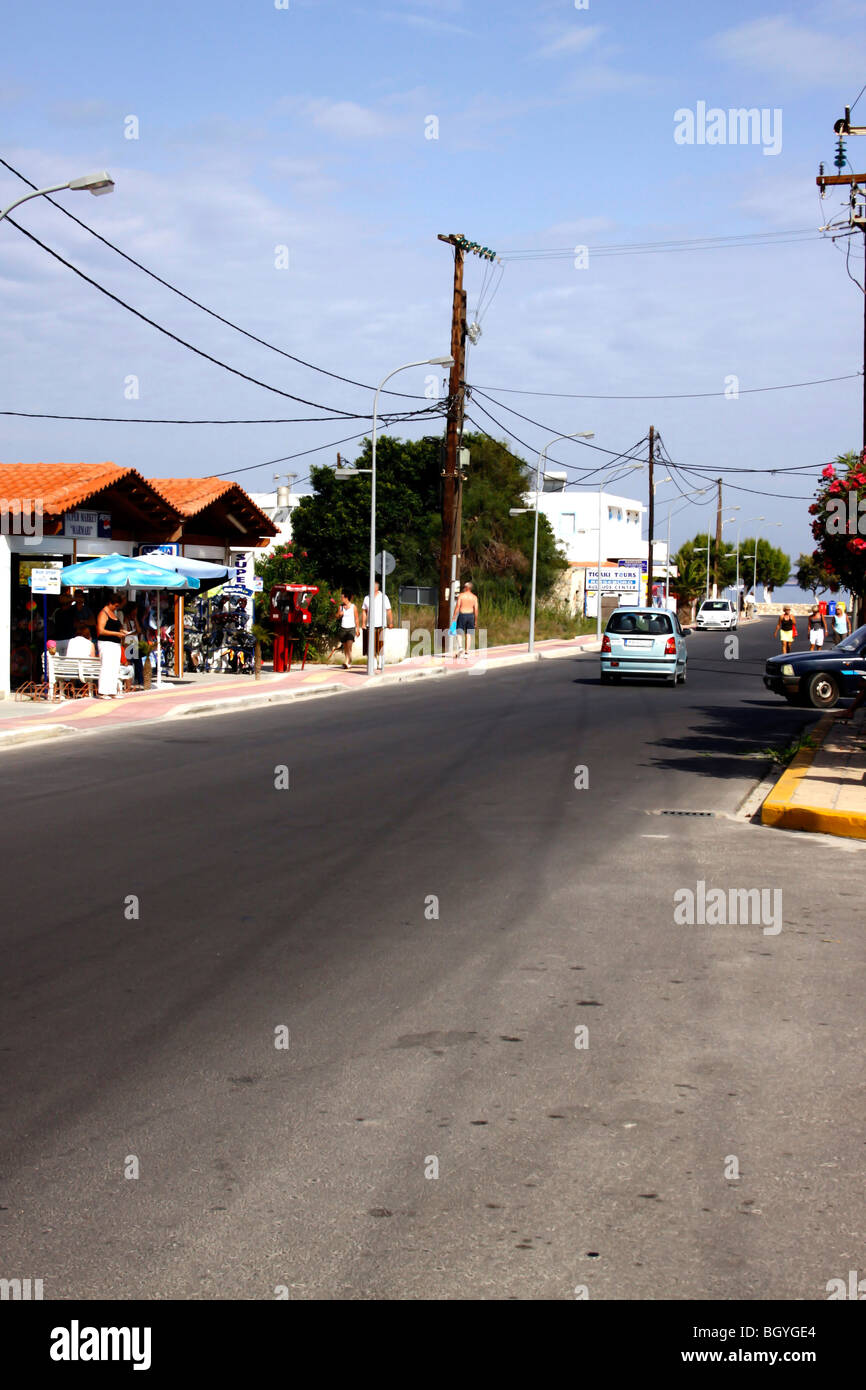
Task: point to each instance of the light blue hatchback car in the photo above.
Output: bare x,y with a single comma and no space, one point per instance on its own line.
644,642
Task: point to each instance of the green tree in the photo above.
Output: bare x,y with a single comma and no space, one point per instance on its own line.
813,576
333,524
290,566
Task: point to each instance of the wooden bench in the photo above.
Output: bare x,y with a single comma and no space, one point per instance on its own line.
63,670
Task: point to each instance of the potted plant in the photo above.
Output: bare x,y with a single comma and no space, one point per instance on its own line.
144,651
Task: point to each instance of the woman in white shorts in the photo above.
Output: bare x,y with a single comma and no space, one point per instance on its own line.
817,629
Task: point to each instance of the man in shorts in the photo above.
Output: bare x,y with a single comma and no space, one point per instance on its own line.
466,617
380,602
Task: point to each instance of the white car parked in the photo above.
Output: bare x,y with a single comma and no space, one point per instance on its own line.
715,614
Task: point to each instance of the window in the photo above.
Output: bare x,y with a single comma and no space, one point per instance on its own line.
614,513
649,624
633,517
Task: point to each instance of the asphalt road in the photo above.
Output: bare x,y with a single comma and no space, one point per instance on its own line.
431,910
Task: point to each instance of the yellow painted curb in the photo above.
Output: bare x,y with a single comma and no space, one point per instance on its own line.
777,809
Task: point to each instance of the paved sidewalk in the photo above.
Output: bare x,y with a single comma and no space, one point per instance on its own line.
824,788
31,721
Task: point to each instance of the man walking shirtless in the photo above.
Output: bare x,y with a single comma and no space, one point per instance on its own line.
466,616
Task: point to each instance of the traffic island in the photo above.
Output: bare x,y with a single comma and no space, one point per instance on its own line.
824,788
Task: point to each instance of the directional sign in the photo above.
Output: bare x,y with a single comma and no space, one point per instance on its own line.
615,579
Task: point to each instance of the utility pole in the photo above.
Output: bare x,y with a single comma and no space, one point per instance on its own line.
652,517
716,575
856,218
454,423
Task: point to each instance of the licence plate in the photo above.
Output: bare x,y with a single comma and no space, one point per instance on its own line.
638,641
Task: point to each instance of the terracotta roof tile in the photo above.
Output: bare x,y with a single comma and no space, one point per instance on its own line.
193,495
59,485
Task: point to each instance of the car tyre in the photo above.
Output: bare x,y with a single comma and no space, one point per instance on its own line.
823,691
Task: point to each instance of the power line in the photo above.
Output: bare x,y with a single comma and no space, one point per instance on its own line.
196,304
679,396
235,371
717,243
391,417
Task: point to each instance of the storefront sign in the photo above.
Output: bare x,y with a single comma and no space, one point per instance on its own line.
44,581
87,526
170,548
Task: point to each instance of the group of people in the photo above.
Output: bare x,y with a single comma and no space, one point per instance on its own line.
351,623
114,634
838,627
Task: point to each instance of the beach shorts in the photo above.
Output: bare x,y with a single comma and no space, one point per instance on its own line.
465,622
816,637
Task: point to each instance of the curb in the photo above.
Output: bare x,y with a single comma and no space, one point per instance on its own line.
11,738
778,811
233,704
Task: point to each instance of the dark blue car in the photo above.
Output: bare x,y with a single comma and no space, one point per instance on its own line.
820,678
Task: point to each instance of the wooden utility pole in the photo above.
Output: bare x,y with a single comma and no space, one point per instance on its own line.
652,516
453,430
454,423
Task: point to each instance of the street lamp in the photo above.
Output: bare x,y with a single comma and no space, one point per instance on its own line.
755,558
92,183
542,458
353,472
633,469
739,526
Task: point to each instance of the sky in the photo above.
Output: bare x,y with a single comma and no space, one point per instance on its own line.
289,165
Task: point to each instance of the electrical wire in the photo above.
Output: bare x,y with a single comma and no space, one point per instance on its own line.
387,418
196,303
679,396
743,240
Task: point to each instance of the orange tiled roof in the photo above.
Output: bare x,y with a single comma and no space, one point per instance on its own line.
60,486
193,495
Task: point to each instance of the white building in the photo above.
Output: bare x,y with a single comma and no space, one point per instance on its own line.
574,518
278,506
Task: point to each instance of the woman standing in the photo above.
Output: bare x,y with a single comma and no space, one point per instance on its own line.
349,628
109,632
817,629
786,629
841,626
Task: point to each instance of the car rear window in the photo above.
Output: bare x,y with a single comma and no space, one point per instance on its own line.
715,606
640,624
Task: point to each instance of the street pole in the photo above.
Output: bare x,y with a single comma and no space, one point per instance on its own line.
452,432
668,564
651,520
718,543
454,423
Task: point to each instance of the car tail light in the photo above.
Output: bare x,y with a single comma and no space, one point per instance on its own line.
605,643
671,647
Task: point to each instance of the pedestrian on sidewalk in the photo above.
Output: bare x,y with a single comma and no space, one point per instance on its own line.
841,625
381,612
110,630
817,629
749,604
348,627
786,629
466,616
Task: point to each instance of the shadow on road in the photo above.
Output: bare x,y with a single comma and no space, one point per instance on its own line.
728,742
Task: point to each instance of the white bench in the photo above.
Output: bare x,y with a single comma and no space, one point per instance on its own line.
61,669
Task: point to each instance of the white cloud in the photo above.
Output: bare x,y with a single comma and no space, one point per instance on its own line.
418,21
348,120
571,41
778,44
